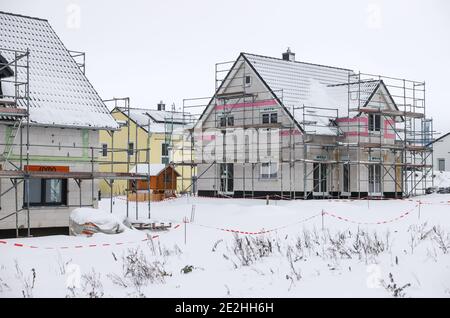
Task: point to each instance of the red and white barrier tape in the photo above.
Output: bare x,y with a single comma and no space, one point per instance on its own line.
370,223
15,244
258,232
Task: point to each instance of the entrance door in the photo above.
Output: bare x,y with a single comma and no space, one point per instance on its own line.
375,180
320,179
226,178
346,179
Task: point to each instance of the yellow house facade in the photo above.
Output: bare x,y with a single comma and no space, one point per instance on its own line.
151,137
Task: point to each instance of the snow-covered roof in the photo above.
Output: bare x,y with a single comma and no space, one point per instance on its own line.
327,91
155,168
298,84
292,81
60,94
160,121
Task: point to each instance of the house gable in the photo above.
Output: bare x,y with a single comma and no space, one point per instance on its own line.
230,96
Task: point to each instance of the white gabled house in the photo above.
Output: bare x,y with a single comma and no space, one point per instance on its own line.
65,116
330,132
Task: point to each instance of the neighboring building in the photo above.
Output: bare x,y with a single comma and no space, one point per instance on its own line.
65,117
441,153
332,132
153,135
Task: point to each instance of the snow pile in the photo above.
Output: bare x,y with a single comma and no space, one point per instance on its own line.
90,221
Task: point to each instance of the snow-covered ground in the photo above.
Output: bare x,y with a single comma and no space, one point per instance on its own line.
314,248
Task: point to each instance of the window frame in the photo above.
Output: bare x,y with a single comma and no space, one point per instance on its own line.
249,83
372,123
130,150
104,150
165,158
270,116
441,160
271,175
224,121
43,194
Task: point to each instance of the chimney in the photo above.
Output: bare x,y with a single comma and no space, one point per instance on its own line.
161,106
288,55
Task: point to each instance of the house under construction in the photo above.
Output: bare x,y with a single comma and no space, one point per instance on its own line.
50,118
289,129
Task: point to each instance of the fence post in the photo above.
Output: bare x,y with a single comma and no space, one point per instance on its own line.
267,199
323,213
420,202
193,213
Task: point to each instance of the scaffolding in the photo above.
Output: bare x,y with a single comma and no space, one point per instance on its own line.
386,148
14,116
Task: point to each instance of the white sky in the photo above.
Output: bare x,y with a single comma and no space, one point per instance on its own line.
153,50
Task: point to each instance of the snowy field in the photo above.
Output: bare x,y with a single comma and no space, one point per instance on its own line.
315,248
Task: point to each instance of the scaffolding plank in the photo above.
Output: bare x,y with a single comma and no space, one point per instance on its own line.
72,175
388,112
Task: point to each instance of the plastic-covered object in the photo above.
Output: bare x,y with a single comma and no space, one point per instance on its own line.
88,221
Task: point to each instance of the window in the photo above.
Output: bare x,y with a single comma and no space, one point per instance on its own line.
269,170
374,122
273,118
164,153
248,80
320,177
441,164
130,148
346,177
46,192
374,179
270,118
104,150
226,121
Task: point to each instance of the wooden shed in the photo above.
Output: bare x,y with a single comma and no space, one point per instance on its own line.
163,182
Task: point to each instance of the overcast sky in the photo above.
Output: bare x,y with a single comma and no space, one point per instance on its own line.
153,50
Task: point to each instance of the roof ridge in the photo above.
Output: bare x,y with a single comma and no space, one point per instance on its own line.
23,16
300,62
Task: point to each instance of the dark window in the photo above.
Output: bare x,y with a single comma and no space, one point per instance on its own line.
46,192
374,122
130,148
226,121
164,149
273,118
441,164
248,80
104,150
346,178
164,153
